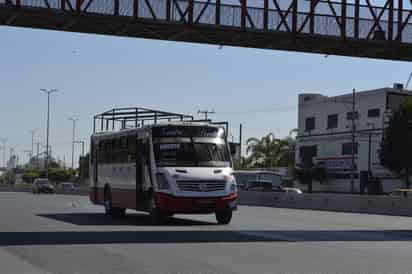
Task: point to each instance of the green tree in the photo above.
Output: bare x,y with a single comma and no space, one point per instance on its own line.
59,174
269,151
30,175
396,148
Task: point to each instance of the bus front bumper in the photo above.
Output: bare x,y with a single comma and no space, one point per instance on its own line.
173,204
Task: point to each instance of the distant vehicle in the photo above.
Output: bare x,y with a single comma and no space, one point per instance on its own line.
167,168
401,192
42,185
245,178
292,190
67,186
269,187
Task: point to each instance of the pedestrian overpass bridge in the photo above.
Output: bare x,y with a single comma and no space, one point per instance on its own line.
361,28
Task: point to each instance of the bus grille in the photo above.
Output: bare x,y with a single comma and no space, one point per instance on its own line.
201,186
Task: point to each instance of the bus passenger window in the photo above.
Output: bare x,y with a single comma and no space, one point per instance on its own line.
131,151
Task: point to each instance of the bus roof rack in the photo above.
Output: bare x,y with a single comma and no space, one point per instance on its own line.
137,116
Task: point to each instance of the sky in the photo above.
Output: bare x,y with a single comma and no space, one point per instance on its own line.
258,88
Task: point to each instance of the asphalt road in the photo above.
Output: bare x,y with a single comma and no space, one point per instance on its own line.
66,234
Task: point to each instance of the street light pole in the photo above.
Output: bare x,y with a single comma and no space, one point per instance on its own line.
74,120
48,92
81,142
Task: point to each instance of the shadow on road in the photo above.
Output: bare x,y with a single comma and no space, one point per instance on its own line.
197,236
128,220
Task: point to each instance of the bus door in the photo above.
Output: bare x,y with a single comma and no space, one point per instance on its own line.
140,173
94,160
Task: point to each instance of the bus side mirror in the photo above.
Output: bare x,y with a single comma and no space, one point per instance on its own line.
234,149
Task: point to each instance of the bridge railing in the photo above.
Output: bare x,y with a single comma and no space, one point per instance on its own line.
358,19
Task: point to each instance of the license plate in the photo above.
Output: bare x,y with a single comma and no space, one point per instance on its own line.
204,202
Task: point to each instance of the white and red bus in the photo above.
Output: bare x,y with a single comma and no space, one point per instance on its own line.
164,169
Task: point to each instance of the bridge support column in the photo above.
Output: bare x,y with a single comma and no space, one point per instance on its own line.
313,4
266,15
190,7
295,17
400,20
390,19
116,7
343,20
168,9
243,14
356,23
217,16
135,8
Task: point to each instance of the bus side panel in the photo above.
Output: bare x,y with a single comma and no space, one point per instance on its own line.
96,195
124,198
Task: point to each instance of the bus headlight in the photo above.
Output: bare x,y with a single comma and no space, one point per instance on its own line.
232,183
162,182
233,188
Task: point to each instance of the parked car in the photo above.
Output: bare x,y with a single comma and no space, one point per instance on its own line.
269,187
245,177
292,190
42,185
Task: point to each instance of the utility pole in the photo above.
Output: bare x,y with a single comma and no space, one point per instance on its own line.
205,112
48,92
32,132
352,177
240,140
74,120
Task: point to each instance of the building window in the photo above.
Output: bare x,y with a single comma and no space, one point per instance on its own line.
375,112
347,149
310,124
332,121
349,115
306,154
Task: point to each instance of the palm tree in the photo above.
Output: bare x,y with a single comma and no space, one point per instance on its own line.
265,152
270,151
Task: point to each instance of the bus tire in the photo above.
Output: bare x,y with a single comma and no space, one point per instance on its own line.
156,216
223,217
107,201
118,212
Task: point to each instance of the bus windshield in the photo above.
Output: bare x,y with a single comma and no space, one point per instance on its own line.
192,154
188,146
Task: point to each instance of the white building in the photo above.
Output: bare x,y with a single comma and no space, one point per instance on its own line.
325,134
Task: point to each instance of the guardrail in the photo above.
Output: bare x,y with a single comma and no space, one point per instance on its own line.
82,190
386,205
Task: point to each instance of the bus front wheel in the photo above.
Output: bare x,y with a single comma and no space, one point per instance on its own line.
223,217
156,216
108,205
108,209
